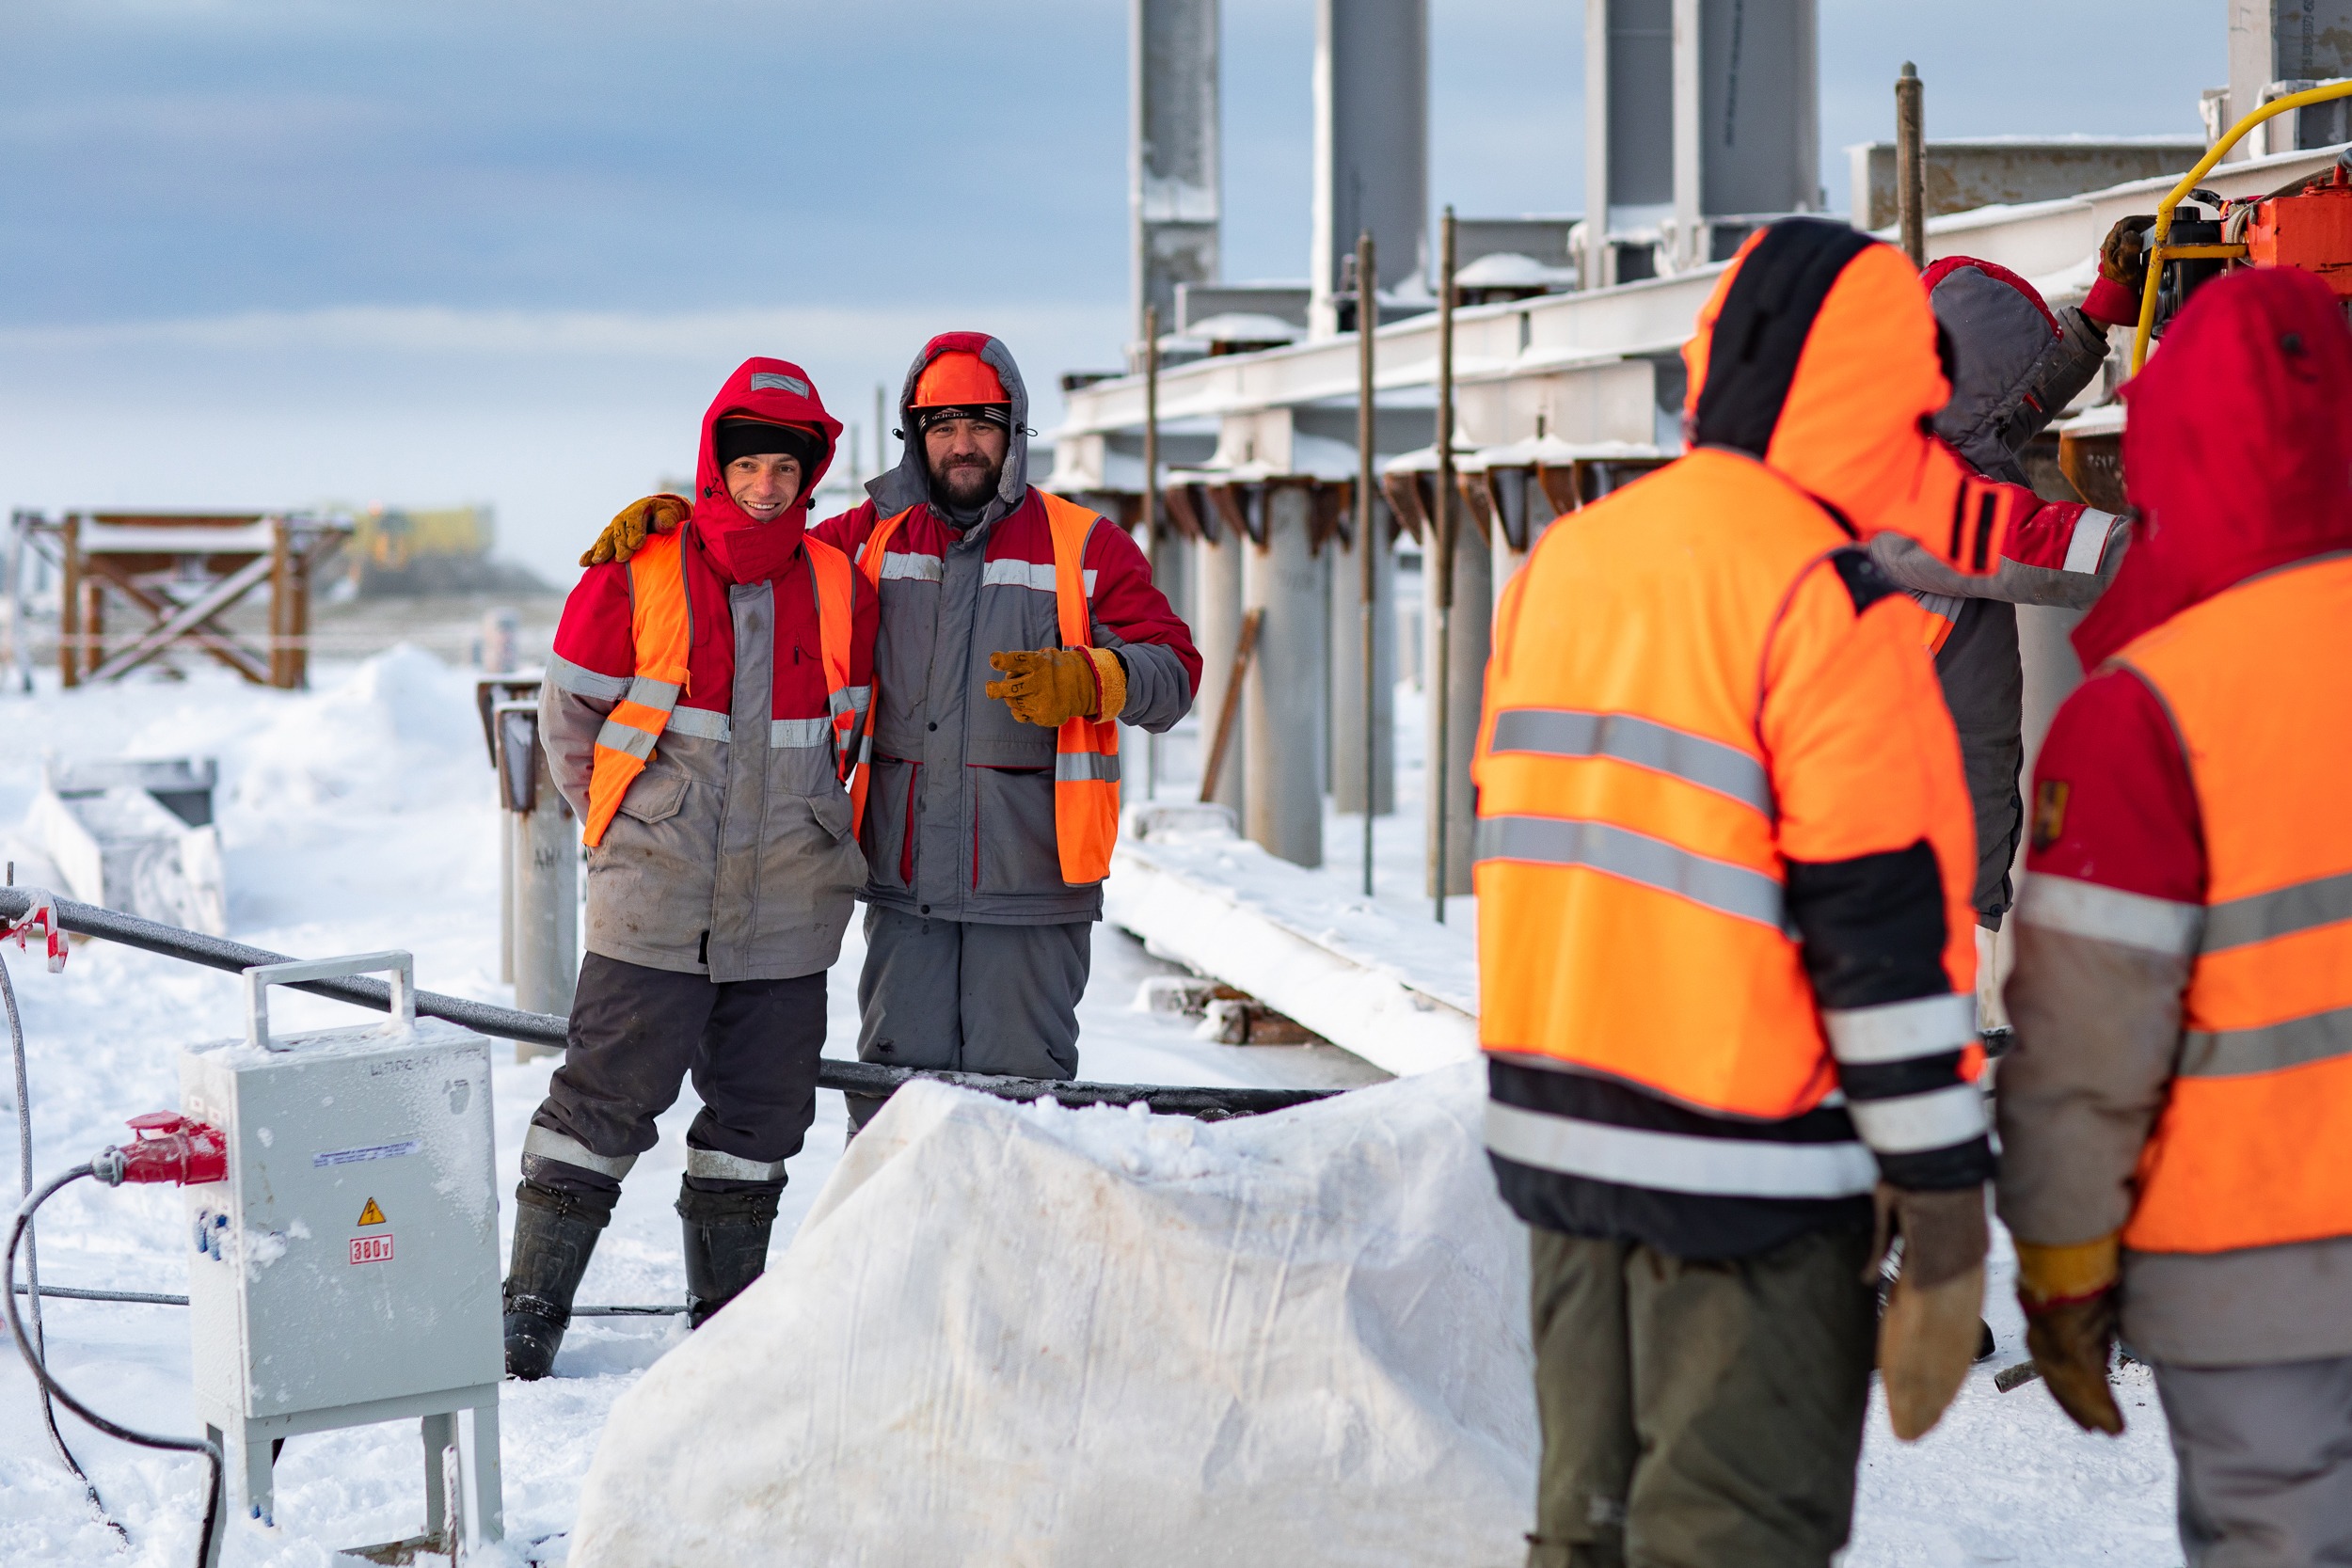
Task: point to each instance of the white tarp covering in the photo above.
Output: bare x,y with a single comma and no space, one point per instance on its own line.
1021,1334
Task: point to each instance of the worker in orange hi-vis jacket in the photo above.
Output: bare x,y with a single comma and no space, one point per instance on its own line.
1726,949
2176,1120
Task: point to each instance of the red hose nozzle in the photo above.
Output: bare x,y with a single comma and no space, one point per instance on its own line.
170,1148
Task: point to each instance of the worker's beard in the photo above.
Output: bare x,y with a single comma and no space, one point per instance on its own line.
966,483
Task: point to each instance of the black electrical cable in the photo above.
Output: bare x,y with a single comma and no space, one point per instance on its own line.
32,1254
33,1358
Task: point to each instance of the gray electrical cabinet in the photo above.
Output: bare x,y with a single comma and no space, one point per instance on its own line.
346,1272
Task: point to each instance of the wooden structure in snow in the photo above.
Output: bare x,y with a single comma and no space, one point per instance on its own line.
179,574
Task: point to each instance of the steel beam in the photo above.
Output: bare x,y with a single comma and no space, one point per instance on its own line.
1173,185
1371,149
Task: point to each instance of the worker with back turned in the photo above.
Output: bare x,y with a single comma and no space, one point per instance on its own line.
1726,959
2176,1120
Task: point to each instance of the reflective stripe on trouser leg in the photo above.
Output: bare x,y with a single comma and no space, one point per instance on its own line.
545,1143
712,1165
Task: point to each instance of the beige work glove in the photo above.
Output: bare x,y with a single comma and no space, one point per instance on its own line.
1928,1334
1052,686
2069,1296
625,535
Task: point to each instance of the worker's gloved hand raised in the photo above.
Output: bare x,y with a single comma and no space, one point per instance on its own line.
2069,1296
1052,686
625,535
1928,1334
2123,253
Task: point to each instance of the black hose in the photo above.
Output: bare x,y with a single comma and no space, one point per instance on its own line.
866,1078
32,1254
33,1358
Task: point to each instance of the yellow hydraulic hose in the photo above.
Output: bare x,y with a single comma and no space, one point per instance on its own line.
2157,255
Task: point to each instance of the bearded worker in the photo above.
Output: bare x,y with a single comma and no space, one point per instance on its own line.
1018,631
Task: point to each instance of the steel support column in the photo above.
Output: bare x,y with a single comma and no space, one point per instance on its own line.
1372,146
1282,697
1173,179
1216,630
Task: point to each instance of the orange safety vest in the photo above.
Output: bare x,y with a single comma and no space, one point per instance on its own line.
2251,1147
1086,751
661,628
1630,885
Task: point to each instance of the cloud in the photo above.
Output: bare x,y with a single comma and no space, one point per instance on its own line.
443,331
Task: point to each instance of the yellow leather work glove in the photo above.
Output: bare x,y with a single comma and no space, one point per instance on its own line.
2123,253
2069,1296
625,535
1928,1334
1052,686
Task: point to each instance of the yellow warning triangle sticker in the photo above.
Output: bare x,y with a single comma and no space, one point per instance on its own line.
371,1214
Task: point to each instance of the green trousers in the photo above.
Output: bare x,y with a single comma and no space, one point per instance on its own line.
1698,1415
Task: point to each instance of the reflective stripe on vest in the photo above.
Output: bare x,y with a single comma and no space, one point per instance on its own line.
836,580
1086,752
2249,1149
662,629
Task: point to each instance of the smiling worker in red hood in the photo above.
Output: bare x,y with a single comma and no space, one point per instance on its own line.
2175,1118
703,715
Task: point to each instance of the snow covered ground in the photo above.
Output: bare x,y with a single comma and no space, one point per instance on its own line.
359,817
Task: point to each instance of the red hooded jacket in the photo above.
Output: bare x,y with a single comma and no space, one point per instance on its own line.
2239,458
724,546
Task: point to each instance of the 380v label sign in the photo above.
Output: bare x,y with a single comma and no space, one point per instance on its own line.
372,1249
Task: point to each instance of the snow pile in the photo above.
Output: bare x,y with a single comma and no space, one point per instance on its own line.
1012,1333
388,739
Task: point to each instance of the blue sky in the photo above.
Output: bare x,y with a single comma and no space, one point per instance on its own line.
270,252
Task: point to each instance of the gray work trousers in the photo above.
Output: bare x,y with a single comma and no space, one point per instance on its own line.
1698,1415
2265,1455
969,998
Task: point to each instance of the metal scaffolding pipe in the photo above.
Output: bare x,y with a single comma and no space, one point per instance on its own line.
1353,717
867,1078
1282,694
1363,640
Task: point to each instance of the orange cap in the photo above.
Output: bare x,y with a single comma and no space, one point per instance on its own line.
958,376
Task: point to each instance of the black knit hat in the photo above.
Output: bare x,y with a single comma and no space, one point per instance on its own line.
740,437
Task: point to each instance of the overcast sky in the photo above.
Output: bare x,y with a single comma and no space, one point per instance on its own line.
271,252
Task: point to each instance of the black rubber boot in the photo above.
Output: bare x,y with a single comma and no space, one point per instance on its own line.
554,1233
726,1245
